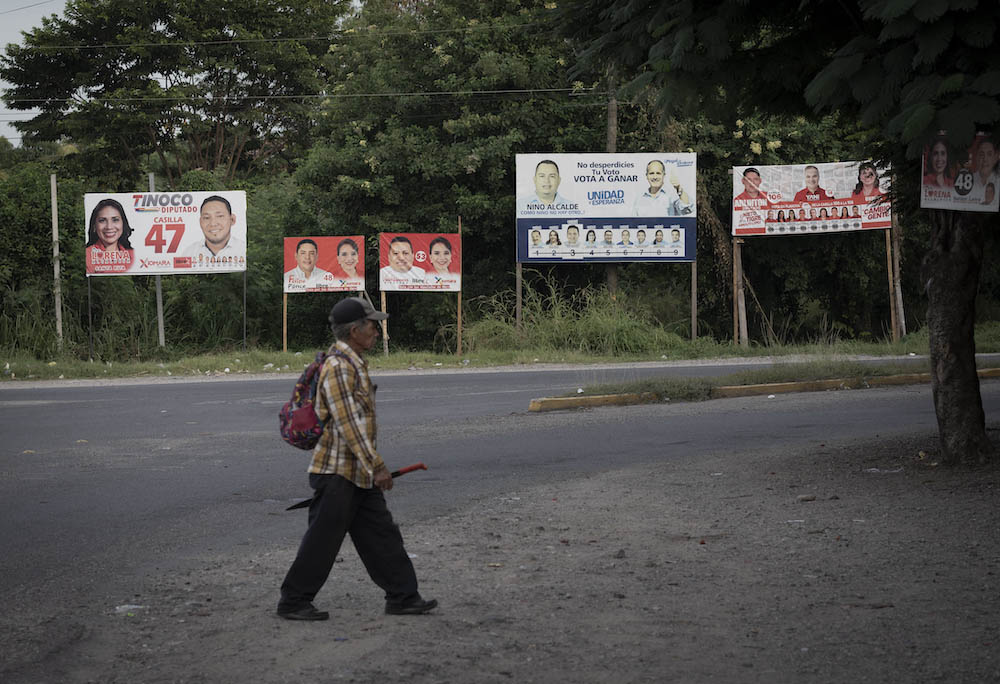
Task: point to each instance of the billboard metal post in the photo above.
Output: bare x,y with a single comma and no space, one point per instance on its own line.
893,319
741,333
736,280
385,328
694,300
90,318
518,275
159,284
56,286
895,232
458,345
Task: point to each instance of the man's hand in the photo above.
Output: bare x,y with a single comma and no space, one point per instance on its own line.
676,182
383,479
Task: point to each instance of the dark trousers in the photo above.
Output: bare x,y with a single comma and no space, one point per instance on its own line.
340,507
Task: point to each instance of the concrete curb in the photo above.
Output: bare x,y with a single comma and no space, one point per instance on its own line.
557,403
731,391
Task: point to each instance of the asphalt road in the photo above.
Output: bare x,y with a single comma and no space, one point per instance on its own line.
103,482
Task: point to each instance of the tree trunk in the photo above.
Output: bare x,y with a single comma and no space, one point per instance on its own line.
950,273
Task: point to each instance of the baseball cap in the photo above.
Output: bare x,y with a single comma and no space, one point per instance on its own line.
354,309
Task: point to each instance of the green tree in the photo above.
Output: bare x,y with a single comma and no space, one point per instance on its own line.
427,107
803,287
905,68
27,311
228,86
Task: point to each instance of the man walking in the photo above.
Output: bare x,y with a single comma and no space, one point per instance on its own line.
348,477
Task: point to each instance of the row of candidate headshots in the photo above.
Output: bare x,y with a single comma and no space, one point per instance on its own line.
608,185
572,236
814,214
409,262
109,247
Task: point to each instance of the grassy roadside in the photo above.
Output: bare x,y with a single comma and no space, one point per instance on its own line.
14,366
700,389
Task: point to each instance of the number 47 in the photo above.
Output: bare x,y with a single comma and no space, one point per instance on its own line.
156,240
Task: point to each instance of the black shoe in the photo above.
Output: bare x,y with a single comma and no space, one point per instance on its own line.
418,607
306,612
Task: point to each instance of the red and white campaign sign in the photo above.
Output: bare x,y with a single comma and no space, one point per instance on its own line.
324,264
144,233
804,199
420,262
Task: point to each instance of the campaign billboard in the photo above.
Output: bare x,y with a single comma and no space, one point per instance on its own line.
967,183
600,207
420,262
324,264
800,199
147,233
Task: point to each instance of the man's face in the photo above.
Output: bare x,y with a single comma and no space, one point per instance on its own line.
305,257
572,234
546,181
986,158
216,223
812,178
625,236
608,236
751,183
654,174
641,236
364,335
401,256
536,237
675,235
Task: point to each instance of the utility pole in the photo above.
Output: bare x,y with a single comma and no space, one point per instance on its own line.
612,146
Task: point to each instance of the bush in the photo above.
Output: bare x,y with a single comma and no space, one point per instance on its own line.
590,320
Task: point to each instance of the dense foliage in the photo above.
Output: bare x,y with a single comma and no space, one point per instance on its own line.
173,85
388,117
905,69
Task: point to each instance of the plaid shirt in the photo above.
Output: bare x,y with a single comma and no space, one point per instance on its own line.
345,403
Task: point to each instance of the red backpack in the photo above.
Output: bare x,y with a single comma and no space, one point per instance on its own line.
299,424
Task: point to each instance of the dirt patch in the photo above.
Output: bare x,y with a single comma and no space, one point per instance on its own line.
865,562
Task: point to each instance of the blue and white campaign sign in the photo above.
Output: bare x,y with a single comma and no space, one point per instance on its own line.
606,207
